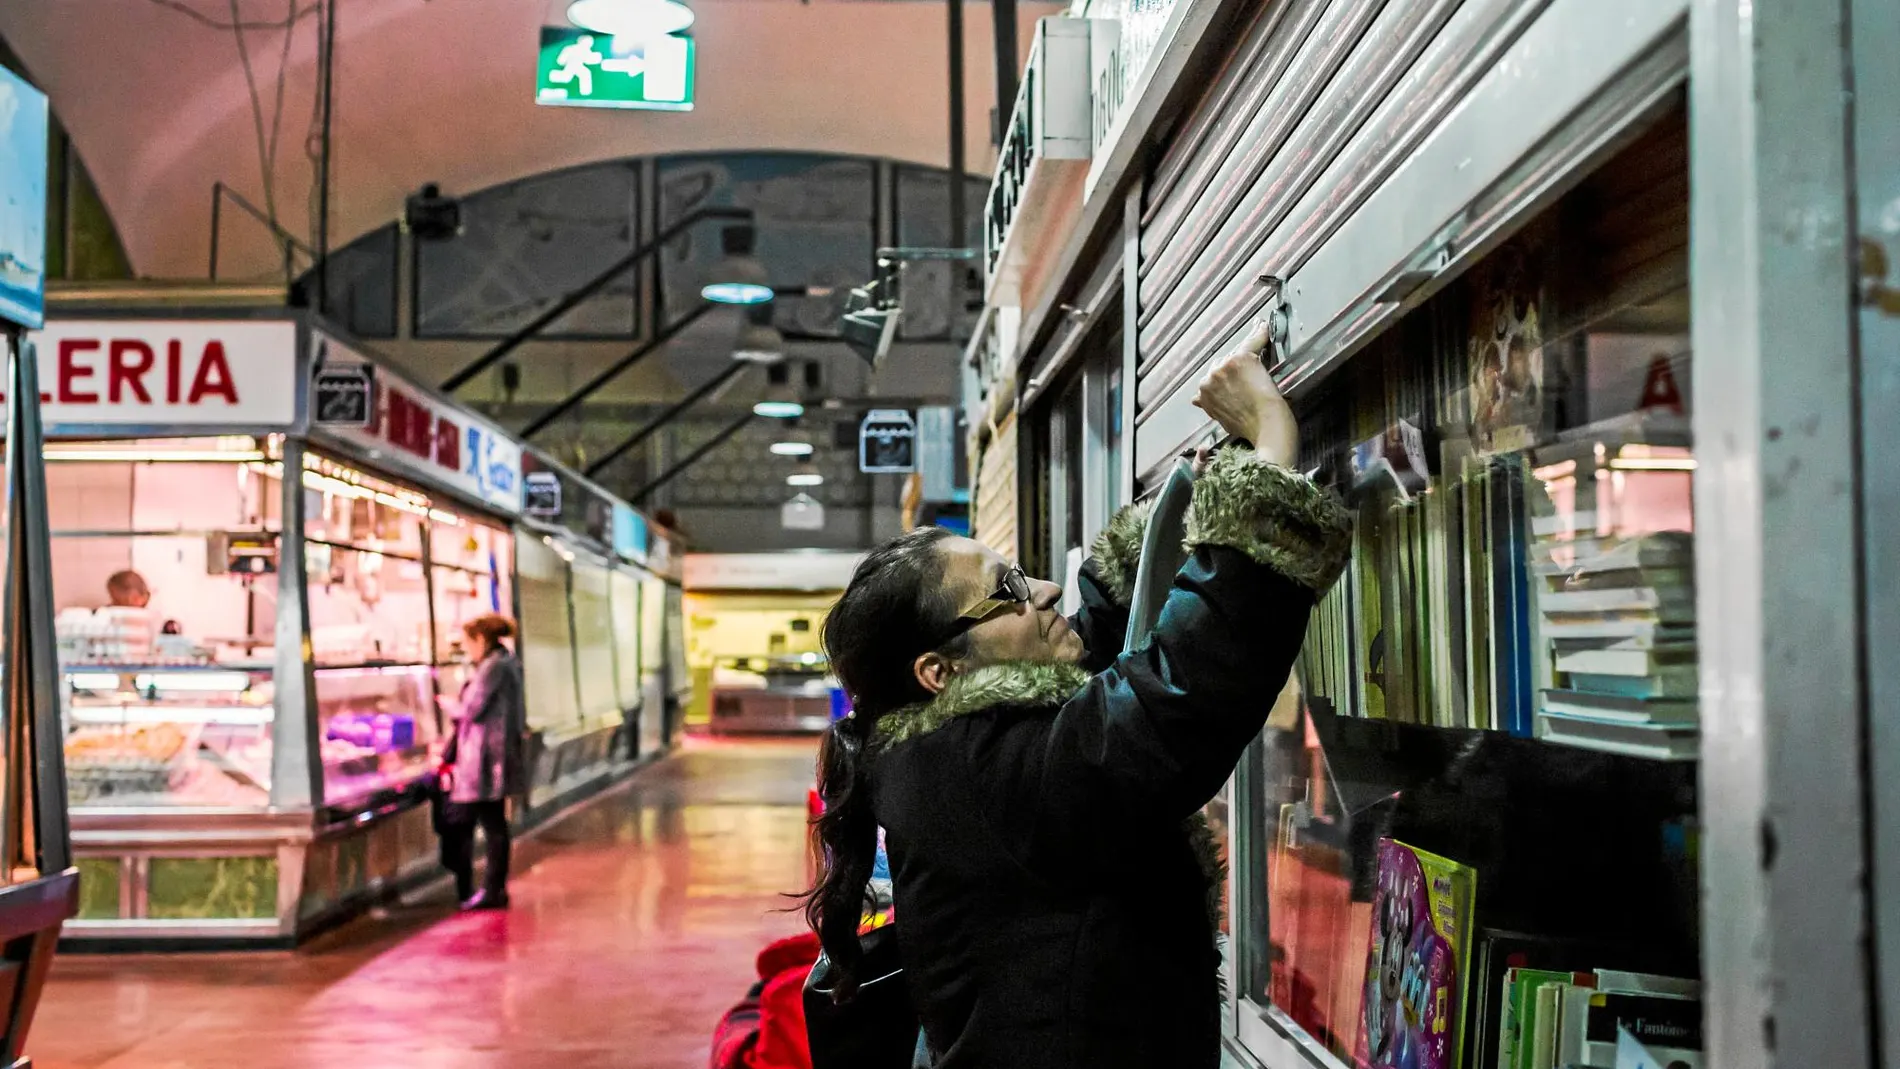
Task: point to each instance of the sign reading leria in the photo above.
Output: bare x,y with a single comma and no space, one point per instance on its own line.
579,69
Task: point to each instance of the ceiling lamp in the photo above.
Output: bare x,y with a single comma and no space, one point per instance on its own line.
781,400
760,342
738,277
797,443
639,20
806,475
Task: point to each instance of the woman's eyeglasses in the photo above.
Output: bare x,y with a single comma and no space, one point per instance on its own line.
1014,590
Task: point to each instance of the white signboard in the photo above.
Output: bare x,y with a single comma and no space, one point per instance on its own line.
799,569
413,431
174,372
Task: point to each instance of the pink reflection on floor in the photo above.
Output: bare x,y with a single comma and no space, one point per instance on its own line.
635,925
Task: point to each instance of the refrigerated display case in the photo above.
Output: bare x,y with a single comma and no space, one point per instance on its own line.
256,666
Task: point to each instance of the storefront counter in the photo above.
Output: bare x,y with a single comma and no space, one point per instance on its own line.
260,603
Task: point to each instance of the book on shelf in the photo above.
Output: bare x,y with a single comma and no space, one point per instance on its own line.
1633,709
1626,660
1655,741
1664,681
1674,603
1576,1020
1669,553
1501,961
1418,961
1632,627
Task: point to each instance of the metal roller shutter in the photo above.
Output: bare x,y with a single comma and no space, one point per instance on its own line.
1322,104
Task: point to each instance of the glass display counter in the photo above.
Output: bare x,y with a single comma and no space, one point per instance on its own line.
283,782
259,611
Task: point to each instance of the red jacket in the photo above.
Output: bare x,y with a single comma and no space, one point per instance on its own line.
767,1030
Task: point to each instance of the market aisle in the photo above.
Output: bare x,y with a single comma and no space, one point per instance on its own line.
635,926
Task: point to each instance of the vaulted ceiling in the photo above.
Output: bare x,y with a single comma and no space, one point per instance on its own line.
162,102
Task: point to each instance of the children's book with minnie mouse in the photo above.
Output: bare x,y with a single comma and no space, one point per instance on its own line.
1418,961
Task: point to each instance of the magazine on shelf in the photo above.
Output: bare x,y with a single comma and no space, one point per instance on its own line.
1418,961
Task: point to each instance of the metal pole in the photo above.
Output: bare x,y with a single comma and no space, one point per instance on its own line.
691,399
540,422
217,208
691,458
586,290
1003,23
328,77
956,122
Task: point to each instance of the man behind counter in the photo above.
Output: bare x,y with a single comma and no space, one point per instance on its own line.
126,589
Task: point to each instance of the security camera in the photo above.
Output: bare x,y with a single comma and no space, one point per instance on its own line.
430,216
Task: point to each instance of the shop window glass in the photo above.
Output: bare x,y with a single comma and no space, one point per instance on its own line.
547,634
1485,761
164,559
471,566
369,605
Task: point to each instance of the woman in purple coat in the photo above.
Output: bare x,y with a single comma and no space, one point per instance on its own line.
482,763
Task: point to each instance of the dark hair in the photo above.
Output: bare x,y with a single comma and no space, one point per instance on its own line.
492,626
894,609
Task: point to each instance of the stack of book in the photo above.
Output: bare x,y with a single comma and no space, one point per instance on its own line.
1618,611
1558,1020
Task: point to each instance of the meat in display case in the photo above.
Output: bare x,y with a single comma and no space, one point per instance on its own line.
166,735
378,724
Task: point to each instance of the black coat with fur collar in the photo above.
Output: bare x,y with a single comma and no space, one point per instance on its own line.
1055,886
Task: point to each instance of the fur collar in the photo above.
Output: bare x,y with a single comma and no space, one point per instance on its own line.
1034,687
1013,685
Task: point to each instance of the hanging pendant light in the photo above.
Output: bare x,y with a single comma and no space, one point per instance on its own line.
807,474
759,342
781,400
738,277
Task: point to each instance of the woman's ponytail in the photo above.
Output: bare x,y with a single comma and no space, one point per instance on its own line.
846,837
886,618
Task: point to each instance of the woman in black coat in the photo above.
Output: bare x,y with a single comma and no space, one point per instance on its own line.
1057,893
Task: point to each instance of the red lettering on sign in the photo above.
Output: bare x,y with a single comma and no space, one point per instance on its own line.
411,425
70,372
448,445
125,372
171,371
213,366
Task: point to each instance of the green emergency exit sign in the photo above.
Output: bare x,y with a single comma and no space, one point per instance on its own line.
580,69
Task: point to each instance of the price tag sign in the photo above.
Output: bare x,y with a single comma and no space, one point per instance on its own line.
887,442
345,396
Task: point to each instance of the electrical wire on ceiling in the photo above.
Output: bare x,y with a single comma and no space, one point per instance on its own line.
209,22
266,142
267,138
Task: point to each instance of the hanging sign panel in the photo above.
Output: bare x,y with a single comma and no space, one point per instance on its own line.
344,396
580,69
414,431
541,494
887,442
175,372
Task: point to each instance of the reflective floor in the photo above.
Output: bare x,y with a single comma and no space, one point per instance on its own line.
635,925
